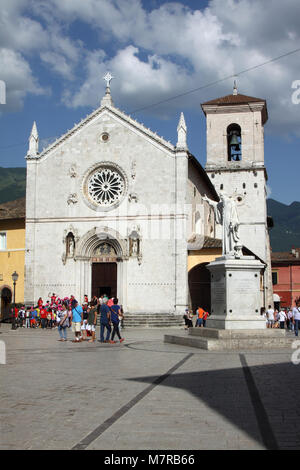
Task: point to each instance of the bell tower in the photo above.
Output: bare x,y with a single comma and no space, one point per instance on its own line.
235,165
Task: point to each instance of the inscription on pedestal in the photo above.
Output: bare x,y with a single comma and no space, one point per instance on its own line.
218,291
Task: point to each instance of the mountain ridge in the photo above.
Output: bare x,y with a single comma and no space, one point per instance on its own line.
284,235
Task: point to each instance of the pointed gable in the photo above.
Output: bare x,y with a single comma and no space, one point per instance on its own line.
114,112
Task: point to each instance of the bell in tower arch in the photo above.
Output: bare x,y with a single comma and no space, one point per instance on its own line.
234,143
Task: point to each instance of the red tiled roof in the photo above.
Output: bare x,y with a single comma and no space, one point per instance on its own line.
13,209
234,99
231,100
286,255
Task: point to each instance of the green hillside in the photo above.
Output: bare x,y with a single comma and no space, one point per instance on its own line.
12,184
284,234
286,230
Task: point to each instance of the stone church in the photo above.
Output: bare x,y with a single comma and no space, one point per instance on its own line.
123,210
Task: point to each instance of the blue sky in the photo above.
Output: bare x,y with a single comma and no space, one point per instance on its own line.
53,55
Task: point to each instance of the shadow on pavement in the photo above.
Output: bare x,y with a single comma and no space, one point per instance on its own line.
262,401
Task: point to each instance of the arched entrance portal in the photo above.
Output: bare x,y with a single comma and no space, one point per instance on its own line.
199,287
101,256
104,279
6,297
104,270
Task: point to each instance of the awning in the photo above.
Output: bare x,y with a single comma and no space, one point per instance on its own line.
276,298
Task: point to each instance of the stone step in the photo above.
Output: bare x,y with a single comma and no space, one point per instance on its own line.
218,340
152,320
237,334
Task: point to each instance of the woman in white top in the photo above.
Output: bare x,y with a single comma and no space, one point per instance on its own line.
282,318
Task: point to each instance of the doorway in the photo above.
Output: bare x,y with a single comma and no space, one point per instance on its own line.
199,287
6,297
104,279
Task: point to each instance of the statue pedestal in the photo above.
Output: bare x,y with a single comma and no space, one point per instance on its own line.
235,293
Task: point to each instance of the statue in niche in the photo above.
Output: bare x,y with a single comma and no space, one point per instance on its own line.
70,245
226,214
134,244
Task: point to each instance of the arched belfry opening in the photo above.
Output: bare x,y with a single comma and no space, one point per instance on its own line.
234,143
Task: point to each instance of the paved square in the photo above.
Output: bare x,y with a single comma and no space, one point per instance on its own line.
144,394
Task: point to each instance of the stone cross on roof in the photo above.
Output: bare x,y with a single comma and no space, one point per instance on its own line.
108,78
106,100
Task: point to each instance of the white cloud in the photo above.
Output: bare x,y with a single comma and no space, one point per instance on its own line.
164,51
58,63
17,75
192,48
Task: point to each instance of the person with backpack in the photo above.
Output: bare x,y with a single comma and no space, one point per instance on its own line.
115,312
104,322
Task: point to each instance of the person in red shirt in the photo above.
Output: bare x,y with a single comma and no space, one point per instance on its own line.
40,303
205,317
43,317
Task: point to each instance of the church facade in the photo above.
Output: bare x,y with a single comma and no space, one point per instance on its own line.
119,209
123,214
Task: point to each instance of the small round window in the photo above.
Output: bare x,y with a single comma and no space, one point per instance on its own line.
104,137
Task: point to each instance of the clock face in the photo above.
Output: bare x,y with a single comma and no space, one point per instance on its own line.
105,186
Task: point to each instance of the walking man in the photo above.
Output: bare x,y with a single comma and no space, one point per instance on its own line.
104,322
115,312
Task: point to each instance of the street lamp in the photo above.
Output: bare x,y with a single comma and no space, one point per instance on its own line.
14,277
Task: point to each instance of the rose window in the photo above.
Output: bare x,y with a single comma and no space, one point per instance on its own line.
106,186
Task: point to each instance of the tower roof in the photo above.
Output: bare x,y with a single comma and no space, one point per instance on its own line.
234,99
237,100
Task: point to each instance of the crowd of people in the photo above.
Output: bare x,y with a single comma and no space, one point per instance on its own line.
65,313
201,317
284,318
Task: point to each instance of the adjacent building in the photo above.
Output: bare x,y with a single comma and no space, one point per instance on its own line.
12,253
286,277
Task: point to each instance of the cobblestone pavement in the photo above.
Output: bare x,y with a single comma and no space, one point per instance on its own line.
144,394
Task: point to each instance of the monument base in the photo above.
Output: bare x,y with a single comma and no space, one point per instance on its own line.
235,293
211,339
